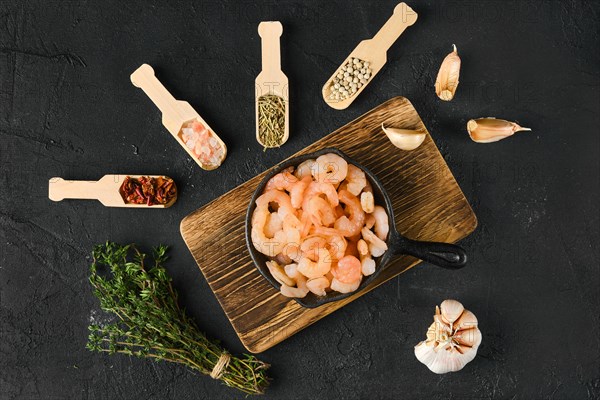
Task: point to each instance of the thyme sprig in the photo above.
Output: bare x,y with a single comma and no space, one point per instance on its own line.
150,323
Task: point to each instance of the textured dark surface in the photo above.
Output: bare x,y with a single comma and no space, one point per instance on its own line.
67,109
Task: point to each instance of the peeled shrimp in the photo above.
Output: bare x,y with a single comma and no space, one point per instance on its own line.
293,292
367,266
330,168
347,270
273,224
292,271
279,274
344,287
314,269
292,234
336,243
367,202
376,246
350,226
381,226
356,180
297,191
278,197
362,247
282,181
321,211
311,245
320,188
305,169
268,246
318,285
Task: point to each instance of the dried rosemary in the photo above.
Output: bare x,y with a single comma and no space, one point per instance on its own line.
151,324
271,120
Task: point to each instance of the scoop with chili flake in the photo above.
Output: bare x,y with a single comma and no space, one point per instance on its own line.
148,190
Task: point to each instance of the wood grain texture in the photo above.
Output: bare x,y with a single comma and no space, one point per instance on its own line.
428,205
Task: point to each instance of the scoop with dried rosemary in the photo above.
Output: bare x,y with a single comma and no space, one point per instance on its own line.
150,323
271,120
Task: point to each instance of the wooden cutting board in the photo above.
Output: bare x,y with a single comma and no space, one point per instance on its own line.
427,201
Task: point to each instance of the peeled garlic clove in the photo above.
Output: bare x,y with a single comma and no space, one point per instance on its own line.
447,79
488,130
404,139
452,340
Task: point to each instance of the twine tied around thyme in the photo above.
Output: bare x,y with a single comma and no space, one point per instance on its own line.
220,366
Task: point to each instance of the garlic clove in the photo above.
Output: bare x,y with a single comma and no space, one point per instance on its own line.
404,139
452,340
451,310
488,130
447,78
468,337
466,321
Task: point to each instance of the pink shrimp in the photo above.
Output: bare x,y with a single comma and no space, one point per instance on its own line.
320,211
367,266
355,180
336,243
381,226
301,289
311,245
376,246
273,224
318,189
314,269
297,191
268,246
305,169
347,270
318,285
280,198
344,287
350,226
330,168
282,181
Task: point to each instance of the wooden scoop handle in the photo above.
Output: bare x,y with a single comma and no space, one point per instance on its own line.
402,18
59,189
270,31
174,112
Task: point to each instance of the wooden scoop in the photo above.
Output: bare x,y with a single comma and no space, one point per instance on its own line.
175,113
106,190
271,79
374,51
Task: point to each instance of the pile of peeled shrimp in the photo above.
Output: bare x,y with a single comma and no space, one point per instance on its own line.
319,226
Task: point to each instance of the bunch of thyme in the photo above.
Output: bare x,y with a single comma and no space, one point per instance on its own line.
151,324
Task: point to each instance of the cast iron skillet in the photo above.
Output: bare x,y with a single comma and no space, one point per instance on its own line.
441,254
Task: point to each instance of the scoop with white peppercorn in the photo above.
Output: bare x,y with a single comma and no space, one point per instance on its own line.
366,60
349,79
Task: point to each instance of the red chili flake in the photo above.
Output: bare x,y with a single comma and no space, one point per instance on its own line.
147,190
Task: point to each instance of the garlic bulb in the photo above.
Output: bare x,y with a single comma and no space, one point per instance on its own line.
447,79
488,130
452,339
405,139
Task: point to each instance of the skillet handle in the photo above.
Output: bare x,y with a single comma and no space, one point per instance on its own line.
445,255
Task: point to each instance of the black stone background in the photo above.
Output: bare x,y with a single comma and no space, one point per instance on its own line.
67,108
